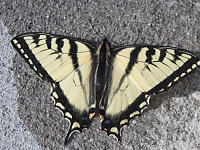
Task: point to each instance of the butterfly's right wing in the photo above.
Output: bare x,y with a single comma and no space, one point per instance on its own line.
67,64
136,74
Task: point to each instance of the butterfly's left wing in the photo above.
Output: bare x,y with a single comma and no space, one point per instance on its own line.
136,74
69,65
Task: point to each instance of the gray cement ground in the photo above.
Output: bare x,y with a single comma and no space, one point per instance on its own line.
28,119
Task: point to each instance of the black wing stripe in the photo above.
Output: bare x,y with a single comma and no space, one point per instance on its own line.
48,42
36,38
149,54
73,54
162,55
133,59
60,43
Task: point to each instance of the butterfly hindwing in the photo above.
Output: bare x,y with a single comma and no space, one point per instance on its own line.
67,65
137,73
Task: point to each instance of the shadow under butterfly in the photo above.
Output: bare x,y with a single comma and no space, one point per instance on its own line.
113,83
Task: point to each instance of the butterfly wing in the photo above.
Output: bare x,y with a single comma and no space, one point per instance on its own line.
67,64
137,73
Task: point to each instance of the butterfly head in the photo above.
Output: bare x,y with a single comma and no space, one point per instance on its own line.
106,41
104,46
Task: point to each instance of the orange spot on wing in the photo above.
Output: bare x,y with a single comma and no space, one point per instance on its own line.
91,115
101,117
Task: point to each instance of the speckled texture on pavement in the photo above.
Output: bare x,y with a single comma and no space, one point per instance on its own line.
28,119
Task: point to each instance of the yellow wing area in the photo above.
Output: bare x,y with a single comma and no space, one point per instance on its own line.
78,91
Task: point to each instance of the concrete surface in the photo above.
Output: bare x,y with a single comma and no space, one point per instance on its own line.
28,119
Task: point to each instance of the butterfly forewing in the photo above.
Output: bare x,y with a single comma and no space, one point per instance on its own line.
52,57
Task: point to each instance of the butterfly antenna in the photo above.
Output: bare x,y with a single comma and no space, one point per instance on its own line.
94,29
104,35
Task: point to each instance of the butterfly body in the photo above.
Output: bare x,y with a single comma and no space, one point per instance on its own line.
113,83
